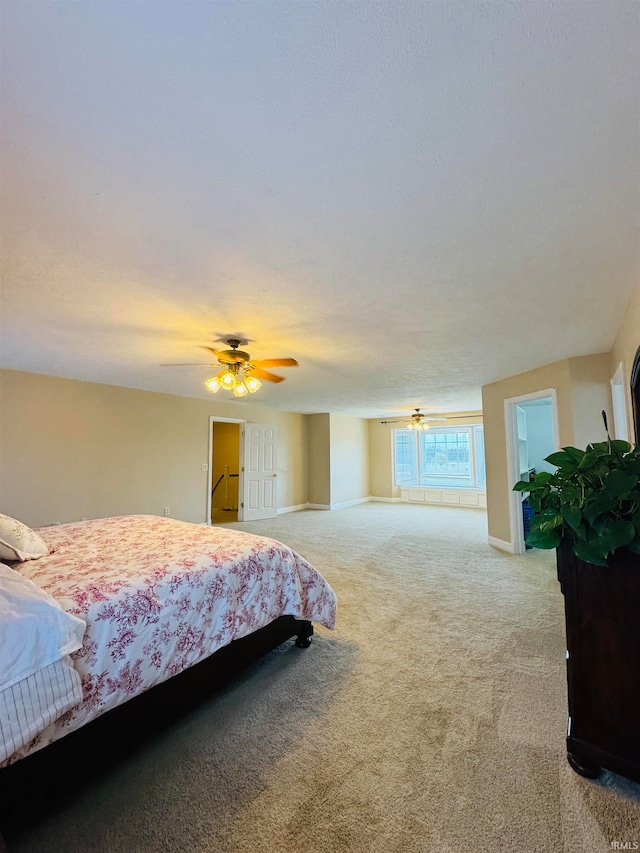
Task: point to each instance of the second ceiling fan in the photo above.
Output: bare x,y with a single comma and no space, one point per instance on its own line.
417,420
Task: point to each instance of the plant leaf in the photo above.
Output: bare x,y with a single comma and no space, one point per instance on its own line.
619,483
570,494
538,539
548,519
624,532
604,540
589,460
560,458
621,446
574,452
572,516
588,553
543,498
602,503
522,486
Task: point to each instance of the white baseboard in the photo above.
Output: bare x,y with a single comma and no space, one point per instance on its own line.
338,506
501,544
344,504
296,508
375,499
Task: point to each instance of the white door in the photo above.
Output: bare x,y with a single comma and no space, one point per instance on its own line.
260,472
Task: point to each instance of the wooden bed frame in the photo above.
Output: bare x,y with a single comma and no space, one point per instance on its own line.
35,779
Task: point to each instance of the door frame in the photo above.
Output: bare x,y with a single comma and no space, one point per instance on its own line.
619,404
240,421
516,523
634,387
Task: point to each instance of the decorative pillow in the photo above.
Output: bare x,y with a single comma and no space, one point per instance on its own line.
34,629
19,542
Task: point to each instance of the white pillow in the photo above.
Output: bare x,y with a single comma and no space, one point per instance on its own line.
19,542
34,630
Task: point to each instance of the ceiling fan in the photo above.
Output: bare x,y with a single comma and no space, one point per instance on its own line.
417,420
240,373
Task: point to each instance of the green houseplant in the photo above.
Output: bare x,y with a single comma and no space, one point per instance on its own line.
593,497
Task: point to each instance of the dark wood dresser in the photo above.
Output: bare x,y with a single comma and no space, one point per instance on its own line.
602,610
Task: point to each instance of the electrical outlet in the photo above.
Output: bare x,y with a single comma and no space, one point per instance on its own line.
167,510
204,467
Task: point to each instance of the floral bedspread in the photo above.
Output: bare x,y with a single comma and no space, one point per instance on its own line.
159,595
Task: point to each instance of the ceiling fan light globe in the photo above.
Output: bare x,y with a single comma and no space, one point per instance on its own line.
227,380
252,384
213,384
240,389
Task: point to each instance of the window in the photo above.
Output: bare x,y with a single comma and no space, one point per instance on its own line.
406,468
447,457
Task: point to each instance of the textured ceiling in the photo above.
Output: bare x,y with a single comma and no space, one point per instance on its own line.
412,199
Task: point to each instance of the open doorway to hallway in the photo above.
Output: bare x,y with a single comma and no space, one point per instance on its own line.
531,431
225,471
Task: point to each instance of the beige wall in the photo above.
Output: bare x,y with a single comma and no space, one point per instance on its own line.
338,459
72,449
381,460
624,350
381,452
590,395
349,472
319,460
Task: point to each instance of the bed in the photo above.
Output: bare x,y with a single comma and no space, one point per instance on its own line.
140,600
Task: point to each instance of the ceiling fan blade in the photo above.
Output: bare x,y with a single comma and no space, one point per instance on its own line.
190,364
264,374
275,362
211,349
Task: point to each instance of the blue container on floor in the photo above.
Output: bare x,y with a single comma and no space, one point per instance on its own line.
527,513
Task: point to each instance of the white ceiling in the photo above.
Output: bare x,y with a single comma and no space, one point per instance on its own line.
412,199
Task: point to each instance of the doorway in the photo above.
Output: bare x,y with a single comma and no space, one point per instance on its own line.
635,395
619,404
531,427
224,486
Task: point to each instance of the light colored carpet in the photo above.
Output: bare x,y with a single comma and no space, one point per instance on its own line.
432,719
